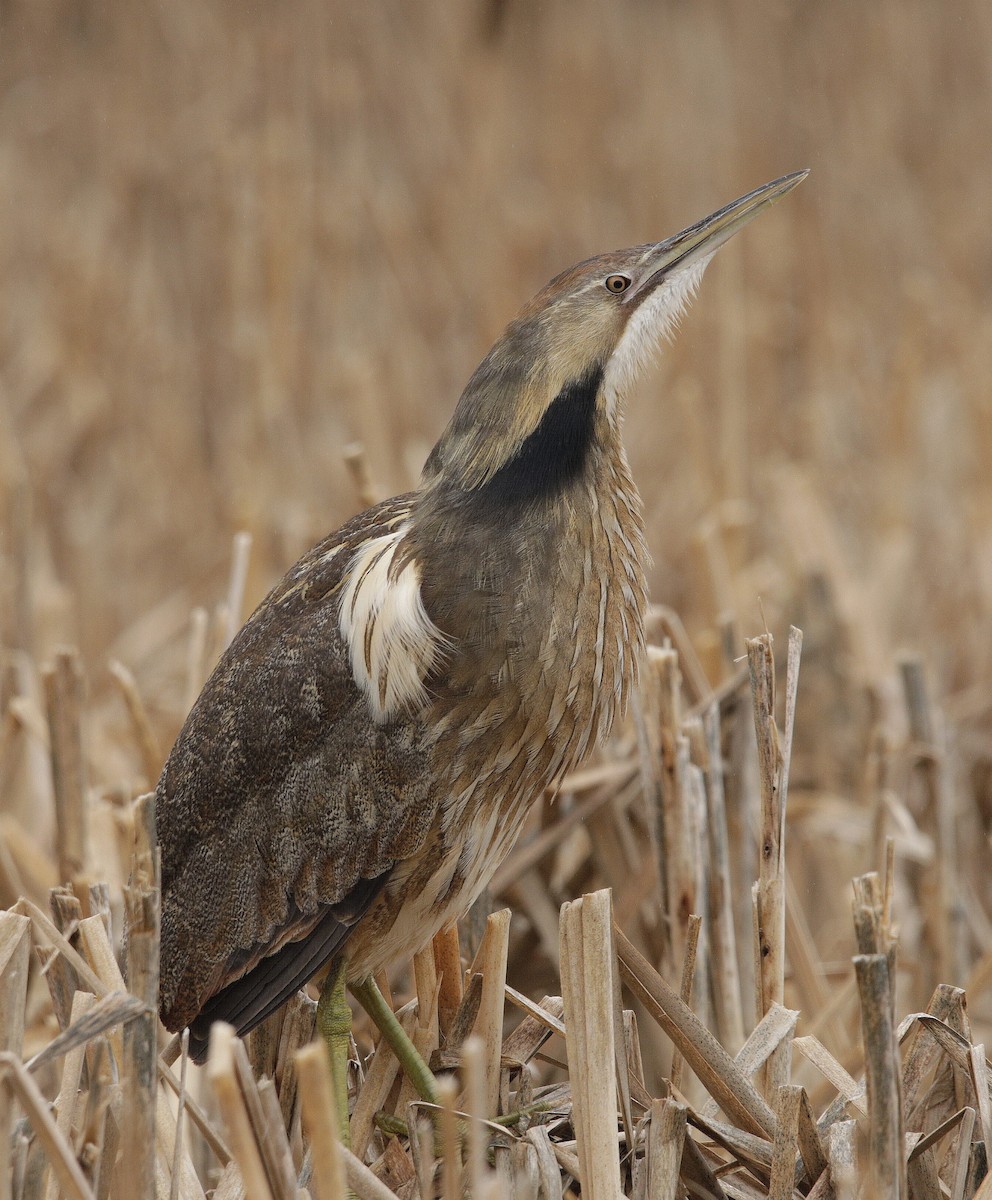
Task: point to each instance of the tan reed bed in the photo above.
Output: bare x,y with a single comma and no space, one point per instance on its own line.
769,1072
234,239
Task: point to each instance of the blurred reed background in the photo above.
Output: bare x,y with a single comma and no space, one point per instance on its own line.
236,239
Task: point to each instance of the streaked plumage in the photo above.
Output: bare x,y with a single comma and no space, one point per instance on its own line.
361,759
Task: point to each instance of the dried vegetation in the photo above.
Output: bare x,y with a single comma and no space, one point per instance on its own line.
238,239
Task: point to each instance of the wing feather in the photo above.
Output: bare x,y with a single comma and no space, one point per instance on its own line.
283,805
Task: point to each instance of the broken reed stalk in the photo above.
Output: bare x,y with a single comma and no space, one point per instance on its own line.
448,967
361,1180
425,1162
60,1154
774,1028
474,1075
47,934
207,1129
769,899
723,936
144,734
142,900
253,1119
223,1077
196,656
234,604
942,909
677,865
797,1144
491,962
842,1155
947,1005
871,922
685,990
451,1166
177,1163
980,1082
961,1158
64,691
811,1146
357,463
875,972
783,1165
807,971
15,950
320,1123
63,980
713,1066
66,1101
588,963
666,1139
850,1092
773,775
886,1159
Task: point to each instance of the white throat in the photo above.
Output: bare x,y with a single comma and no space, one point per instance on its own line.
655,319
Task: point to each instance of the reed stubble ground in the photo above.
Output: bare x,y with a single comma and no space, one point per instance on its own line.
237,241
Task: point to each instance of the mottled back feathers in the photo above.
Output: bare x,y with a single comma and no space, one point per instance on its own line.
281,796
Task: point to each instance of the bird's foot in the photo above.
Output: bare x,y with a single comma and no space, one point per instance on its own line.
334,1026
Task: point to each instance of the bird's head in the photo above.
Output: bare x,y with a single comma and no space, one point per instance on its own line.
525,420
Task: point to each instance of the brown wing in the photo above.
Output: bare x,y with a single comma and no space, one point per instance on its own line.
282,807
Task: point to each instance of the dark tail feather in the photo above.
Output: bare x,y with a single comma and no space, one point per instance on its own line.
249,1000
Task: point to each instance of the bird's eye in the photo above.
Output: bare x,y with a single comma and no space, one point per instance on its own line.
617,283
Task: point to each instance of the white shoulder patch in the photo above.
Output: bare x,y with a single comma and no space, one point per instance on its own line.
391,640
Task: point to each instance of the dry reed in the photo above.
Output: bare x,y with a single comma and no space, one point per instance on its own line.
249,258
613,1110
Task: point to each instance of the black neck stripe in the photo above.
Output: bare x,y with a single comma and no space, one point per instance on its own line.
556,452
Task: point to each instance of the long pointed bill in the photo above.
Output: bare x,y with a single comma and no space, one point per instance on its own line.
708,235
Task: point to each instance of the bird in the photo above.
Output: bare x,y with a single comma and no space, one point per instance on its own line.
362,757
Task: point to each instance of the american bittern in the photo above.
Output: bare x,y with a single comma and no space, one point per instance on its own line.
361,759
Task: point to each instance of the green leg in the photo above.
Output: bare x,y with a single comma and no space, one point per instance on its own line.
334,1026
371,999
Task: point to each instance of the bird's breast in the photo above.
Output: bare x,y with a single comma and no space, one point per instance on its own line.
542,622
545,645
